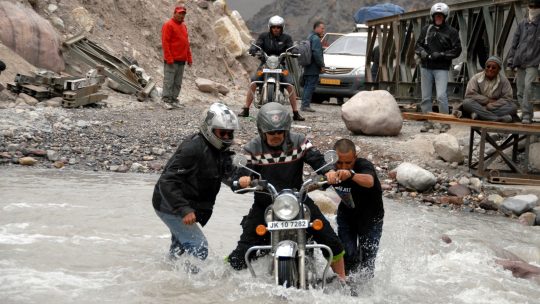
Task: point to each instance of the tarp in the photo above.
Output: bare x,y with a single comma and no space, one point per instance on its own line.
377,11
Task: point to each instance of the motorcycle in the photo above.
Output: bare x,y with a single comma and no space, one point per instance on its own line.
270,89
287,218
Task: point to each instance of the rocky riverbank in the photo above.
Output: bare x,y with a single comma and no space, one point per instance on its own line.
124,135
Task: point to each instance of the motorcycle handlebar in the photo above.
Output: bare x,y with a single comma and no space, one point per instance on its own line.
254,185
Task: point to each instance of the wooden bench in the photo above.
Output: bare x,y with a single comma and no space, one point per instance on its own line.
518,172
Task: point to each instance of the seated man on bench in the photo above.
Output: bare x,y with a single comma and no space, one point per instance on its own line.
489,95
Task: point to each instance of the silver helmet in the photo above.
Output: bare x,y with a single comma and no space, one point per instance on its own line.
439,8
273,116
218,116
276,21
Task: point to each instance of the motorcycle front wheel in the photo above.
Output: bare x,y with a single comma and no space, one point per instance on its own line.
270,92
287,272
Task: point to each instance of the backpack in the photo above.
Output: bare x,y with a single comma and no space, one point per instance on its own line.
304,49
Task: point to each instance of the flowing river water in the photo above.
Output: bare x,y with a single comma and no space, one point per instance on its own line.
85,237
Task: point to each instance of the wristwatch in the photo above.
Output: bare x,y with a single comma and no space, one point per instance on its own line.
352,173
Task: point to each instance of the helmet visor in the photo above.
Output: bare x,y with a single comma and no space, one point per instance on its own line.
224,134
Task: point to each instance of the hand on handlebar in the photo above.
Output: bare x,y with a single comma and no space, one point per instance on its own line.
244,181
336,177
332,177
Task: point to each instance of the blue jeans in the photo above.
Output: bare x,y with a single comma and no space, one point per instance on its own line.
310,82
184,237
441,83
360,248
524,80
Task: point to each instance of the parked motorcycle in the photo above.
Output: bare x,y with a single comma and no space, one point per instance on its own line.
287,218
271,89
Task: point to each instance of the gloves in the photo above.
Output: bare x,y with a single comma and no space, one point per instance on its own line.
436,55
423,54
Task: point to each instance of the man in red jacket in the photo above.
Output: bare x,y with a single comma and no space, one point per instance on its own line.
176,53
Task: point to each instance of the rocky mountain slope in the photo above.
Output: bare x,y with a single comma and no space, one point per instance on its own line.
133,28
338,14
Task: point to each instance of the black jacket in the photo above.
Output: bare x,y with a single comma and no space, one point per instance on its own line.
272,45
525,49
282,167
442,39
192,177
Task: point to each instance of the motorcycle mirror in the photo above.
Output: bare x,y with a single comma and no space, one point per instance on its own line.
292,47
330,157
239,160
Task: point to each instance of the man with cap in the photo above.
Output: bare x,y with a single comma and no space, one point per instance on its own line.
524,55
489,94
176,53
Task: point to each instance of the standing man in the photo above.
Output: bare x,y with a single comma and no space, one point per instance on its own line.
273,42
524,55
360,214
279,156
176,53
312,71
437,45
186,190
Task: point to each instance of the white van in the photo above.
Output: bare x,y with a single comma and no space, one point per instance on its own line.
344,74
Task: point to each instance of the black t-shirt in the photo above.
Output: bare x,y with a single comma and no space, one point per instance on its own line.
368,203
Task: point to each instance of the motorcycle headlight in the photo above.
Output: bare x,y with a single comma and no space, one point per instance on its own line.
272,62
286,206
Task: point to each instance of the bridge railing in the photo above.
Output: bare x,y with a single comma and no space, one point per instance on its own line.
486,27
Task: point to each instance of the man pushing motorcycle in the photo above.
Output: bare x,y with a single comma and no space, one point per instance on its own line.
279,155
273,42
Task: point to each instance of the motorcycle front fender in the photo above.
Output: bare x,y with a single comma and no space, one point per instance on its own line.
271,80
286,248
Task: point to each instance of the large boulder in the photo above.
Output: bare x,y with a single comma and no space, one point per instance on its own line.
229,36
83,18
372,113
31,36
414,177
520,204
447,147
241,26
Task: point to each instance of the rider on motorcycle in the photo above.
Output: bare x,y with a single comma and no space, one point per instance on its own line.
273,42
279,156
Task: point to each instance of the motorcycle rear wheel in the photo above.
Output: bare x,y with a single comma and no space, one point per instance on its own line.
287,272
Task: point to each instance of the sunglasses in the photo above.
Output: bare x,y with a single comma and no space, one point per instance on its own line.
492,66
224,133
275,132
274,27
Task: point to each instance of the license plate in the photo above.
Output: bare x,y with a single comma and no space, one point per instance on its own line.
298,224
330,81
272,71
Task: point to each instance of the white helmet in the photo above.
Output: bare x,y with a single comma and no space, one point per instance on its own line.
439,8
276,21
218,116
